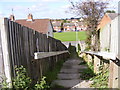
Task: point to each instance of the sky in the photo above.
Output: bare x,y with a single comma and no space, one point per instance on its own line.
53,9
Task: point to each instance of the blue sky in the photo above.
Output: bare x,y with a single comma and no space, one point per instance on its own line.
40,8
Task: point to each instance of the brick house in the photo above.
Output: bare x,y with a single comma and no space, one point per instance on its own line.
57,25
69,26
81,26
41,25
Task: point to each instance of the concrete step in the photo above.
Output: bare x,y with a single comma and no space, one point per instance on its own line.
72,62
69,71
67,83
68,76
83,84
79,67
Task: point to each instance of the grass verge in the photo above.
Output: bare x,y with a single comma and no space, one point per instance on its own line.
70,36
52,75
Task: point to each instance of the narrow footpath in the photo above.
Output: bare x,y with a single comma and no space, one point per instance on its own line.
69,75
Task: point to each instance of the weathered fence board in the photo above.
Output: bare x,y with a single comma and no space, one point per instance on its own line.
40,55
1,62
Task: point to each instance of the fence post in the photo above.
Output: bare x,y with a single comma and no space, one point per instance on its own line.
5,49
90,59
2,73
96,64
113,75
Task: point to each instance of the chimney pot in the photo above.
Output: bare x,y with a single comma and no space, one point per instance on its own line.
12,17
30,17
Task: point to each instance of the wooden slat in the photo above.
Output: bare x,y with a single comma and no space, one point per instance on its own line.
2,73
105,55
40,55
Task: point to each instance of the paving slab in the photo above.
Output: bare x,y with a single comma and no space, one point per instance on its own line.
67,83
72,62
67,66
83,84
69,71
68,76
79,67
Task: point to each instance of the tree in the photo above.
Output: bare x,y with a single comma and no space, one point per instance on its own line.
110,11
91,11
62,28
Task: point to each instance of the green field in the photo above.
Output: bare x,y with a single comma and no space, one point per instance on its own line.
70,36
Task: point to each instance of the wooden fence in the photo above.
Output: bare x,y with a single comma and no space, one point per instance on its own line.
18,45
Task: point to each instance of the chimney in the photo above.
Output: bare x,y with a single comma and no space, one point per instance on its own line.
12,17
30,17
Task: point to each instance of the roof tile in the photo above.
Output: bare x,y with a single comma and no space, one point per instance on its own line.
40,25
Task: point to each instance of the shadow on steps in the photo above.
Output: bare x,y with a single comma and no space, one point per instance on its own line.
73,53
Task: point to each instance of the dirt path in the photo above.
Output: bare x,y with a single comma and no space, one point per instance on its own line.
69,75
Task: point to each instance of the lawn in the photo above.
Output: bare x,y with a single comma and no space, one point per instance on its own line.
70,36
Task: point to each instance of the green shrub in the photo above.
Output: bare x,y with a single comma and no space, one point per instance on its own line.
42,84
4,84
87,74
83,63
101,80
52,75
21,80
79,48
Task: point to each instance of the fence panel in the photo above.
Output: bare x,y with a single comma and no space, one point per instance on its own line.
23,42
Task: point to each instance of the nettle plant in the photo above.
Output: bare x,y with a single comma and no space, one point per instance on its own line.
42,84
22,81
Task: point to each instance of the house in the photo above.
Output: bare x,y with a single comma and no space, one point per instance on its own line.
108,17
104,31
57,25
43,26
115,50
81,26
69,26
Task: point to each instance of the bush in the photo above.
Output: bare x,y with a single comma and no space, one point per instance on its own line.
21,80
101,80
79,48
42,84
88,73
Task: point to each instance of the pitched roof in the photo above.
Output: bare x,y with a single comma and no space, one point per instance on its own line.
57,24
108,17
40,25
81,23
69,24
112,15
